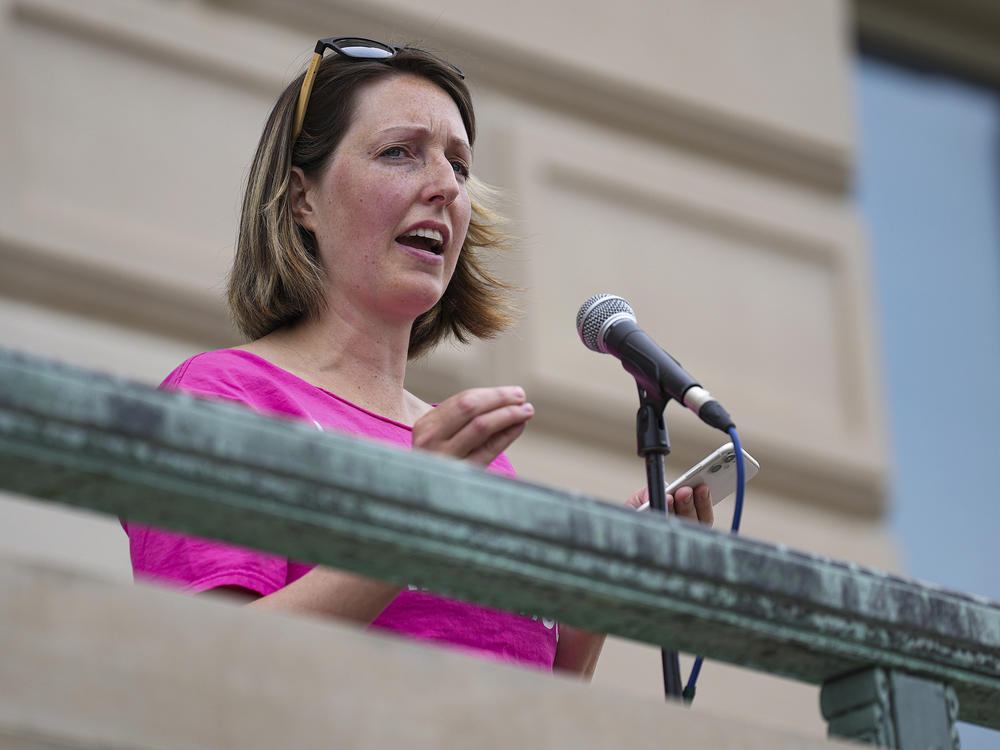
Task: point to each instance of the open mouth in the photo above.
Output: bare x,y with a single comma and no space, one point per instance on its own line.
428,240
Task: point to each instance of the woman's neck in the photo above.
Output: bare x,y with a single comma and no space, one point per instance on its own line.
359,360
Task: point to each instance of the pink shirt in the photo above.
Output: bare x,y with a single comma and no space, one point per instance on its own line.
194,564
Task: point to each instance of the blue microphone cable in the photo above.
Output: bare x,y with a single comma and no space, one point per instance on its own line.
689,689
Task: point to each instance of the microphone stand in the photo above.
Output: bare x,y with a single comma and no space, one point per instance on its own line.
653,444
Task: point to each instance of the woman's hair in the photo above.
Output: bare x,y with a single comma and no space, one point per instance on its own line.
276,278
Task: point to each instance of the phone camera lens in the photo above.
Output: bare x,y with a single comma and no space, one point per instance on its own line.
730,457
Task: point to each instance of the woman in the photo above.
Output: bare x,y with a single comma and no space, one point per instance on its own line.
360,247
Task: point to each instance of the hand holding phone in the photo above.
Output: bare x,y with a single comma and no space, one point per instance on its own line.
718,471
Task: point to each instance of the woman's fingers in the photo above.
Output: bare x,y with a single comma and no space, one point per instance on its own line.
485,454
695,505
638,499
703,505
683,504
453,414
477,424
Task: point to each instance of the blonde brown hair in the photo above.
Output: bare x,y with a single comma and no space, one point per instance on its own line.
276,278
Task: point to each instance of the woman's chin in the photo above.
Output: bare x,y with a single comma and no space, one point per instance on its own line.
415,302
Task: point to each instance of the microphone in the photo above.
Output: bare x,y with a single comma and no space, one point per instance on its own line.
607,324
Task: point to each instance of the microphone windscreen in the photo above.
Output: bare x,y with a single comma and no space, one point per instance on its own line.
595,313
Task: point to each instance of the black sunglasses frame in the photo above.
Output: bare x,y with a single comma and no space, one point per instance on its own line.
344,46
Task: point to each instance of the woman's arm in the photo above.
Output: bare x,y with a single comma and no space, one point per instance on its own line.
323,591
578,651
330,592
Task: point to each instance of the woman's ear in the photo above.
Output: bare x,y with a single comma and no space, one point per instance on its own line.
299,199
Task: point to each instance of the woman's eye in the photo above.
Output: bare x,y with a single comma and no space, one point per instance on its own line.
460,167
394,152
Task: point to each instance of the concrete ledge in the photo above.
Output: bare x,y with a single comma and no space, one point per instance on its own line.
99,665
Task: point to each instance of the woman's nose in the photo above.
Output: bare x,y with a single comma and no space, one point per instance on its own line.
442,182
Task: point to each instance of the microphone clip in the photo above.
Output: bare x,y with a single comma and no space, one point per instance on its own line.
650,426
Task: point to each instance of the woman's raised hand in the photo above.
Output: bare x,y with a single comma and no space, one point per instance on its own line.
694,505
477,424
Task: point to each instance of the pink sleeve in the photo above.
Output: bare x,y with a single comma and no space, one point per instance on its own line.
191,563
194,564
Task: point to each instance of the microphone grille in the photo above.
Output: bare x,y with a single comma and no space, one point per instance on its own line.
595,313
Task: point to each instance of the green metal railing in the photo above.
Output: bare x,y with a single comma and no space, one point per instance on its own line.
899,661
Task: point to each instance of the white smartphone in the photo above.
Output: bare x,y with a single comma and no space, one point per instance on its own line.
718,471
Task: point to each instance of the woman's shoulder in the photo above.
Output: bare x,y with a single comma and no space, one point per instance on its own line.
223,373
209,367
250,379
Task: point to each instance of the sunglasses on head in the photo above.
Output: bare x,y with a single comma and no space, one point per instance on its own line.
356,48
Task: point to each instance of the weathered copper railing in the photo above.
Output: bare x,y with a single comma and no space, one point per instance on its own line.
899,660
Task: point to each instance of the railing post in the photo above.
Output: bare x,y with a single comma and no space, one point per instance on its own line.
891,709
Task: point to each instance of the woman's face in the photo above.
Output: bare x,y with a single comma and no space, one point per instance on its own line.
390,211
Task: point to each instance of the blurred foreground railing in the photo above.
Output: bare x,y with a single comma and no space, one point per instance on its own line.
899,661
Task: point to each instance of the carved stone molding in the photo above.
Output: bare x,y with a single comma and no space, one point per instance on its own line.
704,121
961,36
